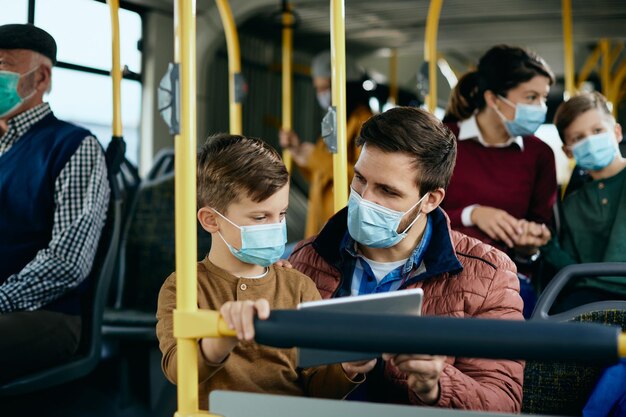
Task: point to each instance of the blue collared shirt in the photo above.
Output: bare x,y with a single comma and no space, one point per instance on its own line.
363,279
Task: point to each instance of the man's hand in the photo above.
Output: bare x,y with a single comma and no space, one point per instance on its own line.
352,369
497,224
239,316
423,372
300,151
284,263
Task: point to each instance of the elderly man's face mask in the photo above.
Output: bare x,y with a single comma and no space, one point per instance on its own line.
10,99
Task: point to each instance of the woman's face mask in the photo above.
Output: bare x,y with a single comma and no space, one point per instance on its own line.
324,98
376,226
261,244
527,119
9,97
595,152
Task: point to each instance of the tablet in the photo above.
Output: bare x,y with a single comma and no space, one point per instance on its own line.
402,302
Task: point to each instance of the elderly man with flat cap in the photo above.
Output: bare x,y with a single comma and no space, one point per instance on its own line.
314,159
54,196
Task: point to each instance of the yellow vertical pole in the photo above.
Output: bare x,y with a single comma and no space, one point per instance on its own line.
605,70
568,48
287,77
116,67
338,82
393,77
430,51
185,195
234,64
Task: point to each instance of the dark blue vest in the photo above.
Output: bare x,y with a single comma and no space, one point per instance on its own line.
28,172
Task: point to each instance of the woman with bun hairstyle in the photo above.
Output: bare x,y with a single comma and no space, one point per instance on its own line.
504,183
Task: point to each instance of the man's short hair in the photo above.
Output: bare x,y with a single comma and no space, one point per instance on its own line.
420,134
32,38
232,166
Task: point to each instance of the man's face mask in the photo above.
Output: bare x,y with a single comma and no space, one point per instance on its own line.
376,226
595,152
527,119
9,97
261,244
324,98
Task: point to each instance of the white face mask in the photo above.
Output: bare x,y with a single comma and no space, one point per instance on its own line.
324,98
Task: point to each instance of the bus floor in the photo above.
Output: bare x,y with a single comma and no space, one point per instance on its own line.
128,382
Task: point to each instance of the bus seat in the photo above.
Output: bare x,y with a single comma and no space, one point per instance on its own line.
92,304
563,387
149,260
163,164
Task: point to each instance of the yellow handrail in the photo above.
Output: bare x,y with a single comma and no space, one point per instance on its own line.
590,64
287,77
393,77
568,48
338,63
234,64
605,70
616,86
116,67
185,195
430,51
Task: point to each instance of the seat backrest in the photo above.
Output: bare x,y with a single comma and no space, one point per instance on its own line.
150,244
163,164
563,388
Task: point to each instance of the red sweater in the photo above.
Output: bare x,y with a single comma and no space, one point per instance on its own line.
520,182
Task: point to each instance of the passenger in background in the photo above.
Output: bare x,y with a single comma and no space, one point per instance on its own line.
593,224
243,207
504,182
314,159
54,196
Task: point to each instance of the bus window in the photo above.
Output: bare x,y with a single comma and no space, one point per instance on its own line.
14,12
81,86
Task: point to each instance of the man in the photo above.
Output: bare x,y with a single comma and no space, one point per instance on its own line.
54,195
315,160
394,236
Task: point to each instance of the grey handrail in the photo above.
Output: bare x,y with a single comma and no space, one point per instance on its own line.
549,295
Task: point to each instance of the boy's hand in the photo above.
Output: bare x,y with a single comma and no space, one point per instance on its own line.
239,316
352,369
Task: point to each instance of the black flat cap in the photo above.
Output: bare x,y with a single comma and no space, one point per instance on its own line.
16,36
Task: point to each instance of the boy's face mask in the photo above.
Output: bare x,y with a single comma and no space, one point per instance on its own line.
595,152
376,226
9,97
527,119
261,244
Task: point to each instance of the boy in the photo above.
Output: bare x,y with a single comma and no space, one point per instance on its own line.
592,228
243,193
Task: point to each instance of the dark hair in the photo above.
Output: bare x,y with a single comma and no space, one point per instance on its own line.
229,165
420,134
569,110
501,69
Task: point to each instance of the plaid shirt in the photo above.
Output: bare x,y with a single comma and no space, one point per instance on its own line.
81,197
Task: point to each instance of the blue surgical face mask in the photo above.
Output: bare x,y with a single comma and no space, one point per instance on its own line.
527,119
373,225
261,244
9,97
595,152
324,98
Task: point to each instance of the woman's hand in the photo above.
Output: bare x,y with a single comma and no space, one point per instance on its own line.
497,224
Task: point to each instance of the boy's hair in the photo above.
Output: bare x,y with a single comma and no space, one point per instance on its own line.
569,110
230,166
420,134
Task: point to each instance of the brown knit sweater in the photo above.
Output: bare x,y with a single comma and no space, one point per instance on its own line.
250,367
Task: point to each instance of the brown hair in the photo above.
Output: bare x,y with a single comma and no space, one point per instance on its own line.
569,110
501,69
230,165
420,134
